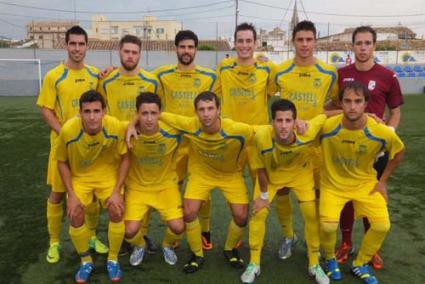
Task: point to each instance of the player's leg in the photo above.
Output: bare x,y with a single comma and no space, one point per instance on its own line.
373,207
92,213
331,204
235,193
193,234
257,230
80,233
136,208
54,209
346,225
204,220
284,214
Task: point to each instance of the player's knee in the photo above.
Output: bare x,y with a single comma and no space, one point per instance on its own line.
77,220
328,227
131,230
56,197
240,219
381,226
189,214
177,227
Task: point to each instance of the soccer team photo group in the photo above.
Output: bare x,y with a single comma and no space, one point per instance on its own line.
126,143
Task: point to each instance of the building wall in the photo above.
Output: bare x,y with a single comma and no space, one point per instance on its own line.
147,28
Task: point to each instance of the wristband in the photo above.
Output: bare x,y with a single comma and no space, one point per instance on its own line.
264,195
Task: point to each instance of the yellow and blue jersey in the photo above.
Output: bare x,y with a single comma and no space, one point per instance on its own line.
63,87
120,92
92,157
286,164
153,163
179,88
245,90
308,87
349,155
213,155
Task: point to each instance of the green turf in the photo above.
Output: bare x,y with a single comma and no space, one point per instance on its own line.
23,237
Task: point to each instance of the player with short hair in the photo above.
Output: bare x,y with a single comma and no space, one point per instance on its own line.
93,163
350,143
282,161
308,82
152,180
215,160
385,92
179,85
59,101
120,89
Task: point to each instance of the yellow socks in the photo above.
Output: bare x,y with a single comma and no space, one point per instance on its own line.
284,213
205,215
170,238
257,230
92,212
372,241
328,238
54,221
311,230
115,236
193,235
234,234
80,239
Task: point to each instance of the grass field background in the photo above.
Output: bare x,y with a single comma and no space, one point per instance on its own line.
24,149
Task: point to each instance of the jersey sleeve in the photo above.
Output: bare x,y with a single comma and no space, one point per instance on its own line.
271,85
395,97
394,144
47,97
179,122
315,125
256,159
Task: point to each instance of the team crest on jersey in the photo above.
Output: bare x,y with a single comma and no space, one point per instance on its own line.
371,86
196,82
142,89
252,78
92,86
361,150
317,83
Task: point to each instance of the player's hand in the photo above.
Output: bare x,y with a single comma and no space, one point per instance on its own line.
381,187
74,207
259,204
105,72
131,132
116,203
375,117
301,126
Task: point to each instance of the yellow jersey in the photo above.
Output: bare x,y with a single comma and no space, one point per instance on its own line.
63,87
120,92
179,88
308,87
213,155
245,90
286,164
349,155
153,163
92,157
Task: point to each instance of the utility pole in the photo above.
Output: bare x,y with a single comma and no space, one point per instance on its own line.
236,13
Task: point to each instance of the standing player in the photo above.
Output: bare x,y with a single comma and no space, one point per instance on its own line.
152,180
350,143
180,84
308,83
93,163
120,89
59,101
215,160
282,161
385,91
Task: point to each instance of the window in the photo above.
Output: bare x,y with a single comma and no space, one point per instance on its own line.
114,29
138,30
160,30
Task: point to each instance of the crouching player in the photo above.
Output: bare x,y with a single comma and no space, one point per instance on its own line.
93,163
282,161
152,181
350,143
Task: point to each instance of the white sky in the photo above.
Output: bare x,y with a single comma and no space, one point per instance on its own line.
218,18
